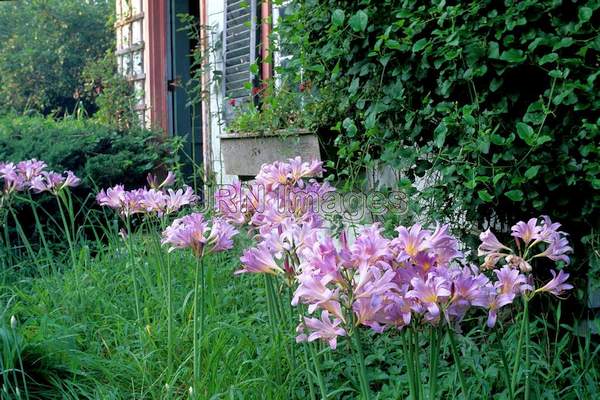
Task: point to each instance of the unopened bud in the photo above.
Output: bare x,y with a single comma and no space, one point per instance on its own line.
13,322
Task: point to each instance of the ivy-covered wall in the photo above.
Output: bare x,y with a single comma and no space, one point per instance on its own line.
500,98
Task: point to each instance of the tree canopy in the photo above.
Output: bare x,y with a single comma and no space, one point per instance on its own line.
44,47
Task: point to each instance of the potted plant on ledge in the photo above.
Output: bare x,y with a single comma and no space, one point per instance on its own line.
278,129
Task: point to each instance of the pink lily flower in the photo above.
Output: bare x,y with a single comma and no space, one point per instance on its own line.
526,231
490,245
323,329
492,301
313,291
556,285
259,260
429,293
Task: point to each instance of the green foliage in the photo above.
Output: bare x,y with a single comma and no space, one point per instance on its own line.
44,46
112,94
78,337
494,104
101,155
281,106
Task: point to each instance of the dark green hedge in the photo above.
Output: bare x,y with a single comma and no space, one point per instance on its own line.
98,153
500,98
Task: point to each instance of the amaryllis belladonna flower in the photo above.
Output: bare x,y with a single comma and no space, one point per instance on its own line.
259,260
556,285
201,236
324,329
54,182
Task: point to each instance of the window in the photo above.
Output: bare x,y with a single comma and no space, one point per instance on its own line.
130,48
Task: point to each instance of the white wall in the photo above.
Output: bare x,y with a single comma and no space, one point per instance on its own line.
216,20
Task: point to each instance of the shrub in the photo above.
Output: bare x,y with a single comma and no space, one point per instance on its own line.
99,153
495,100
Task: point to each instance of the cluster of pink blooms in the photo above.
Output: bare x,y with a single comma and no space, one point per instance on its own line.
282,193
201,236
32,175
283,209
419,275
158,199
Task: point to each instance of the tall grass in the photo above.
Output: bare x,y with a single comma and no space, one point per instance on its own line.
77,332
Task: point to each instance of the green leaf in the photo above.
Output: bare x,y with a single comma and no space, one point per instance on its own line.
483,144
440,135
337,17
419,45
548,58
495,84
358,22
513,56
493,50
564,42
354,86
350,127
392,44
542,139
485,196
514,195
585,14
525,132
532,171
316,68
497,177
336,71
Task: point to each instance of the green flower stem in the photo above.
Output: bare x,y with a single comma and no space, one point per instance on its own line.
360,365
524,321
317,364
169,319
526,344
434,345
416,360
315,359
129,244
270,308
60,199
505,368
40,230
198,326
282,323
273,316
23,237
406,344
7,244
457,360
308,372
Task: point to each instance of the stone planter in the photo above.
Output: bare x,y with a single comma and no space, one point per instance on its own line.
244,153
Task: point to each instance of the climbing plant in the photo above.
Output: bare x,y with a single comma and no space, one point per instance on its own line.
494,105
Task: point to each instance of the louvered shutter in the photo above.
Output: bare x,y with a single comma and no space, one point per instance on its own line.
239,52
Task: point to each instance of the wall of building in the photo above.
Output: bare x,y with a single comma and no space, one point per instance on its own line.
216,18
133,33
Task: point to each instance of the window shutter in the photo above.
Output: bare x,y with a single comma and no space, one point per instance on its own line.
239,52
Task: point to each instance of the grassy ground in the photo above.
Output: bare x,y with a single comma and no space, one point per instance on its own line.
80,337
76,335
